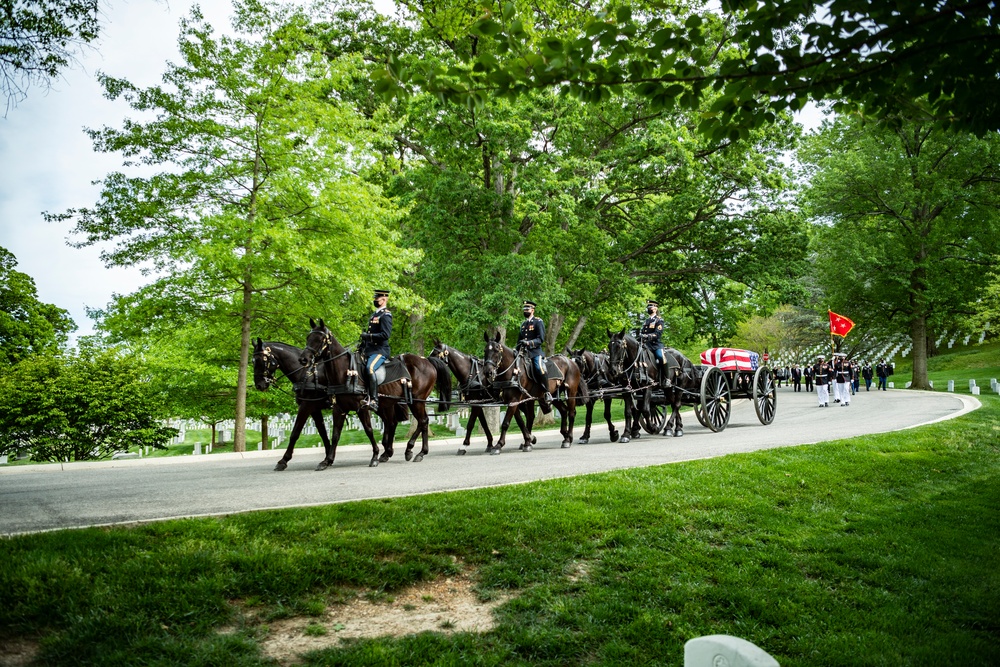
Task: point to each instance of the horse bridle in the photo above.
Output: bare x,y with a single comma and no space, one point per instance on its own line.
488,361
317,357
270,364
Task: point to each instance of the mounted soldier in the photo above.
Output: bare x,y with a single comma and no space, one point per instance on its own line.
652,330
375,344
530,339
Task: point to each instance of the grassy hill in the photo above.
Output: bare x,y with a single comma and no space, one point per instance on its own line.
961,363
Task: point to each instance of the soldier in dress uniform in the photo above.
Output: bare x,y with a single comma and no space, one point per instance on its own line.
652,330
375,343
530,339
821,373
842,368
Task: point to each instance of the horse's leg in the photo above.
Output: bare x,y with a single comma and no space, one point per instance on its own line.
528,425
668,428
464,447
486,430
389,434
585,438
564,429
504,425
300,420
634,431
627,433
679,424
419,411
612,431
366,421
327,461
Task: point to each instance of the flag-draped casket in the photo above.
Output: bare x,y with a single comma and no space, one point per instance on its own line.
731,359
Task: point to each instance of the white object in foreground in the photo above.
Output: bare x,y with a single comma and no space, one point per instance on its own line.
725,651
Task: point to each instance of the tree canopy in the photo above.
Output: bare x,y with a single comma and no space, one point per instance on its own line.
27,325
749,61
40,38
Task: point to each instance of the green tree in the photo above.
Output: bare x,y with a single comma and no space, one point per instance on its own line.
749,61
259,208
82,406
587,209
27,326
909,222
40,38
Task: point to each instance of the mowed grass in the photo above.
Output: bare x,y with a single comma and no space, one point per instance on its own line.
961,364
880,550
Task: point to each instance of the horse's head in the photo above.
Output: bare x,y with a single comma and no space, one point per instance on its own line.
492,356
617,351
264,365
584,360
440,351
319,343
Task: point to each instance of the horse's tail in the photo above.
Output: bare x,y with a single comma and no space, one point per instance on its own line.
443,383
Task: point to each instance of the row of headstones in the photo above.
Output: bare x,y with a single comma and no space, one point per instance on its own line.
973,388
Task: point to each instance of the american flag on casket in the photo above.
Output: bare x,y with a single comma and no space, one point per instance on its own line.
731,359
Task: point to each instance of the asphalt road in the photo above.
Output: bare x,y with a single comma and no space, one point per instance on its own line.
57,496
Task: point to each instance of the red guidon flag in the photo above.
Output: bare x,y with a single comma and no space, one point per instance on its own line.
839,324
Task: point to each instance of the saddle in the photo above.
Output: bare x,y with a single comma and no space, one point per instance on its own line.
392,370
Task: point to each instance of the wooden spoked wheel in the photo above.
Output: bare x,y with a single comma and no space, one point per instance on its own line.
765,395
716,400
655,420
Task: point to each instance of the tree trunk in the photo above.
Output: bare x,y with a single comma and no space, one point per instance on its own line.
263,433
542,419
918,337
552,332
577,330
417,333
240,430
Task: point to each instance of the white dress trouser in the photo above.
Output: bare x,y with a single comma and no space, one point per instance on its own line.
823,392
843,392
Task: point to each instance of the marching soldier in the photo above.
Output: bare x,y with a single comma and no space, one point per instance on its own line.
843,376
652,330
821,373
530,339
375,344
882,370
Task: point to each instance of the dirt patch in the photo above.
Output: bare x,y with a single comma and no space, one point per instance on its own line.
446,605
17,651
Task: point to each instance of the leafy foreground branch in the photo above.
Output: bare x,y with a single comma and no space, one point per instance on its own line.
874,551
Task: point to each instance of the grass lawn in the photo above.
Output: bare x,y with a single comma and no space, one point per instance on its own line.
873,551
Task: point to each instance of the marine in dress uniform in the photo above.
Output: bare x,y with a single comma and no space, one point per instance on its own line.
821,373
530,339
652,330
375,343
843,374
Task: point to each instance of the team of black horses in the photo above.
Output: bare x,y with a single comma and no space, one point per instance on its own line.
326,375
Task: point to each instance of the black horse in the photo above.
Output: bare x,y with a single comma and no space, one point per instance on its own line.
322,347
468,370
310,387
507,372
594,370
641,374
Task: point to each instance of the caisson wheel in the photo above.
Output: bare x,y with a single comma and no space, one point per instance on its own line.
716,401
765,395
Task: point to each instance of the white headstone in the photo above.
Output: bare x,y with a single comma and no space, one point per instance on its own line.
951,385
725,651
931,383
951,343
975,391
965,341
197,448
459,431
908,384
892,385
3,459
972,383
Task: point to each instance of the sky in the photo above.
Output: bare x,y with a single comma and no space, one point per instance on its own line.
47,163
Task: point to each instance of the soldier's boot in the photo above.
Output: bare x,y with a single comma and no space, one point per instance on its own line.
372,401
